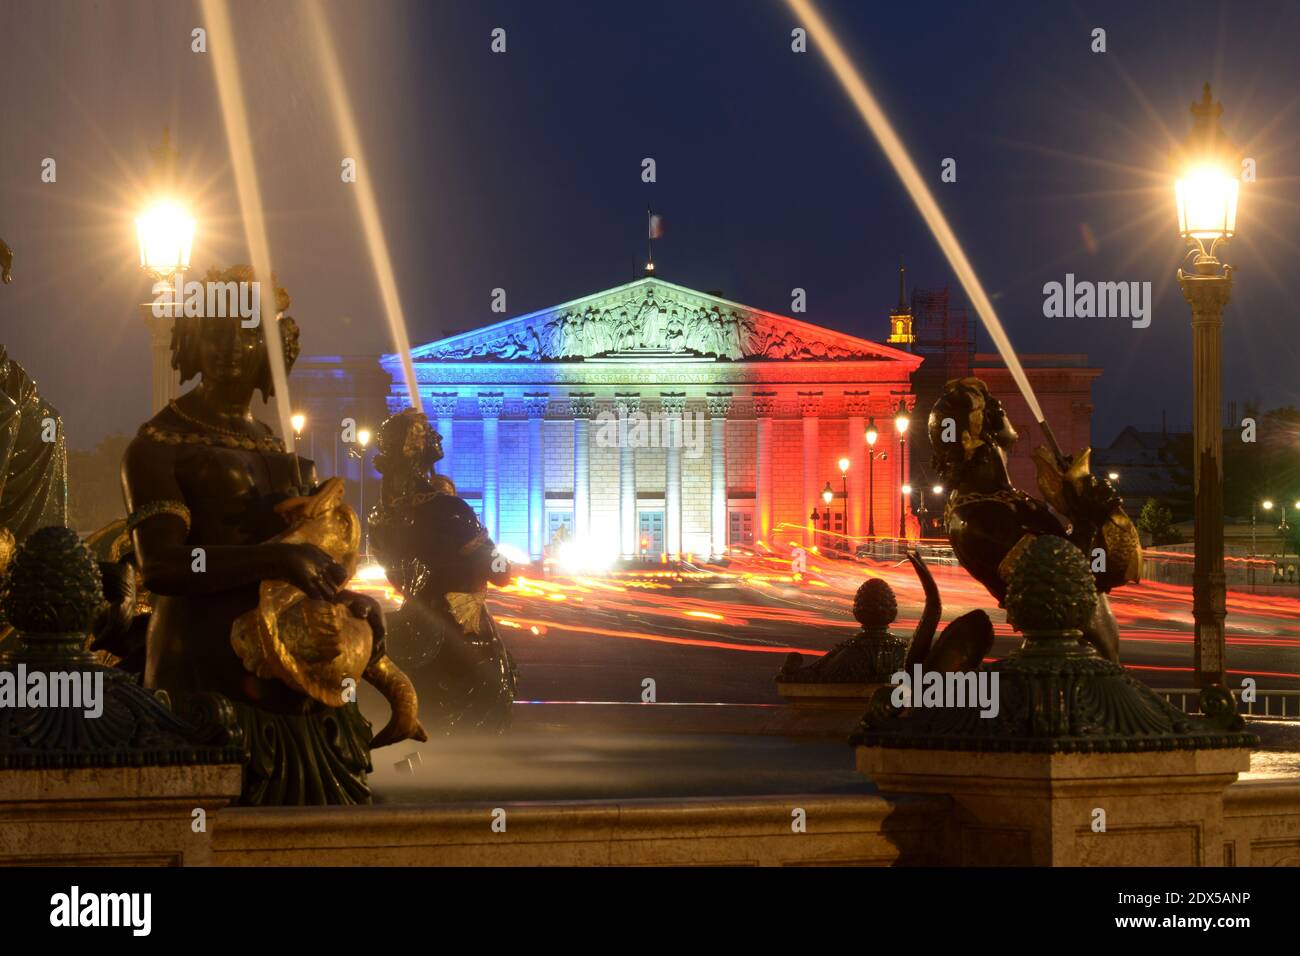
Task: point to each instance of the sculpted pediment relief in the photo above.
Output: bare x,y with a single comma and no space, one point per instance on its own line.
650,319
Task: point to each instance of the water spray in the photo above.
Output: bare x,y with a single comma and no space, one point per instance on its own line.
235,116
892,145
370,220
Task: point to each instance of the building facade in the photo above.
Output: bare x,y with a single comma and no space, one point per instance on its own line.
654,420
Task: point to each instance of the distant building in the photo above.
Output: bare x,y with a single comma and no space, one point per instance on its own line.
768,405
1147,466
773,403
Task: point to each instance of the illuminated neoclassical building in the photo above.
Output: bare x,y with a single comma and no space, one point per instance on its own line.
653,419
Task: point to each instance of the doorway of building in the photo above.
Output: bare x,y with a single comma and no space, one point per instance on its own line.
650,533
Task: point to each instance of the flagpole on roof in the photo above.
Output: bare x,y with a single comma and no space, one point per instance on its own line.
649,241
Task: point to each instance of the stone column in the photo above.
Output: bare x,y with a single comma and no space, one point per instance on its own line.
627,405
489,406
764,407
1207,295
444,408
810,407
581,407
673,405
165,380
855,408
535,406
719,405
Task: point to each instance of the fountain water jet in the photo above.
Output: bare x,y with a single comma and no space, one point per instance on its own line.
889,141
235,116
369,209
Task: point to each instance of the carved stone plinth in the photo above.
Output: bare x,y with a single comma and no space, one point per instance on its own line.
1047,809
1076,763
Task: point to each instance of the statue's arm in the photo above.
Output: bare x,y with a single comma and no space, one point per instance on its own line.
160,524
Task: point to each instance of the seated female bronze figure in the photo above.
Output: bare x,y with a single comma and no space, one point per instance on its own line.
990,522
438,556
221,521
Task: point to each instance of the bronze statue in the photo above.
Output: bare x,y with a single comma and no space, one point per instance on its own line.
991,523
438,556
246,559
33,457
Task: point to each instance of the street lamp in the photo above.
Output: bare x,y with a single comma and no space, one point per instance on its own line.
358,451
164,232
816,518
827,496
844,509
901,421
1206,189
872,455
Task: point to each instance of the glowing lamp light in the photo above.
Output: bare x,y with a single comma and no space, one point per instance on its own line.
1113,476
363,437
1207,203
872,434
297,420
1207,184
844,464
827,494
937,489
1268,505
901,423
166,236
907,489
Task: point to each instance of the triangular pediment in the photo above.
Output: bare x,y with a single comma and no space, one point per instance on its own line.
658,320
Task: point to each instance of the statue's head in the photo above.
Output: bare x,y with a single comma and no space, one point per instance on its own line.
221,351
974,424
407,441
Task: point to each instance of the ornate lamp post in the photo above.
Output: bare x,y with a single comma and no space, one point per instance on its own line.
907,497
844,509
872,455
358,451
901,421
827,497
1206,195
165,234
298,421
816,518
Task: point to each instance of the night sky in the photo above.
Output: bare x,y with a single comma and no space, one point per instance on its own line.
522,170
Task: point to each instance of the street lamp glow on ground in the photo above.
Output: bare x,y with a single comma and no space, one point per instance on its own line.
1206,189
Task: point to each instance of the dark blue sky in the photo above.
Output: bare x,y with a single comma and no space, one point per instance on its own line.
522,170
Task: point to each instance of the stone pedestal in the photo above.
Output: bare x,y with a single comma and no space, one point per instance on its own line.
821,709
1162,808
113,816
